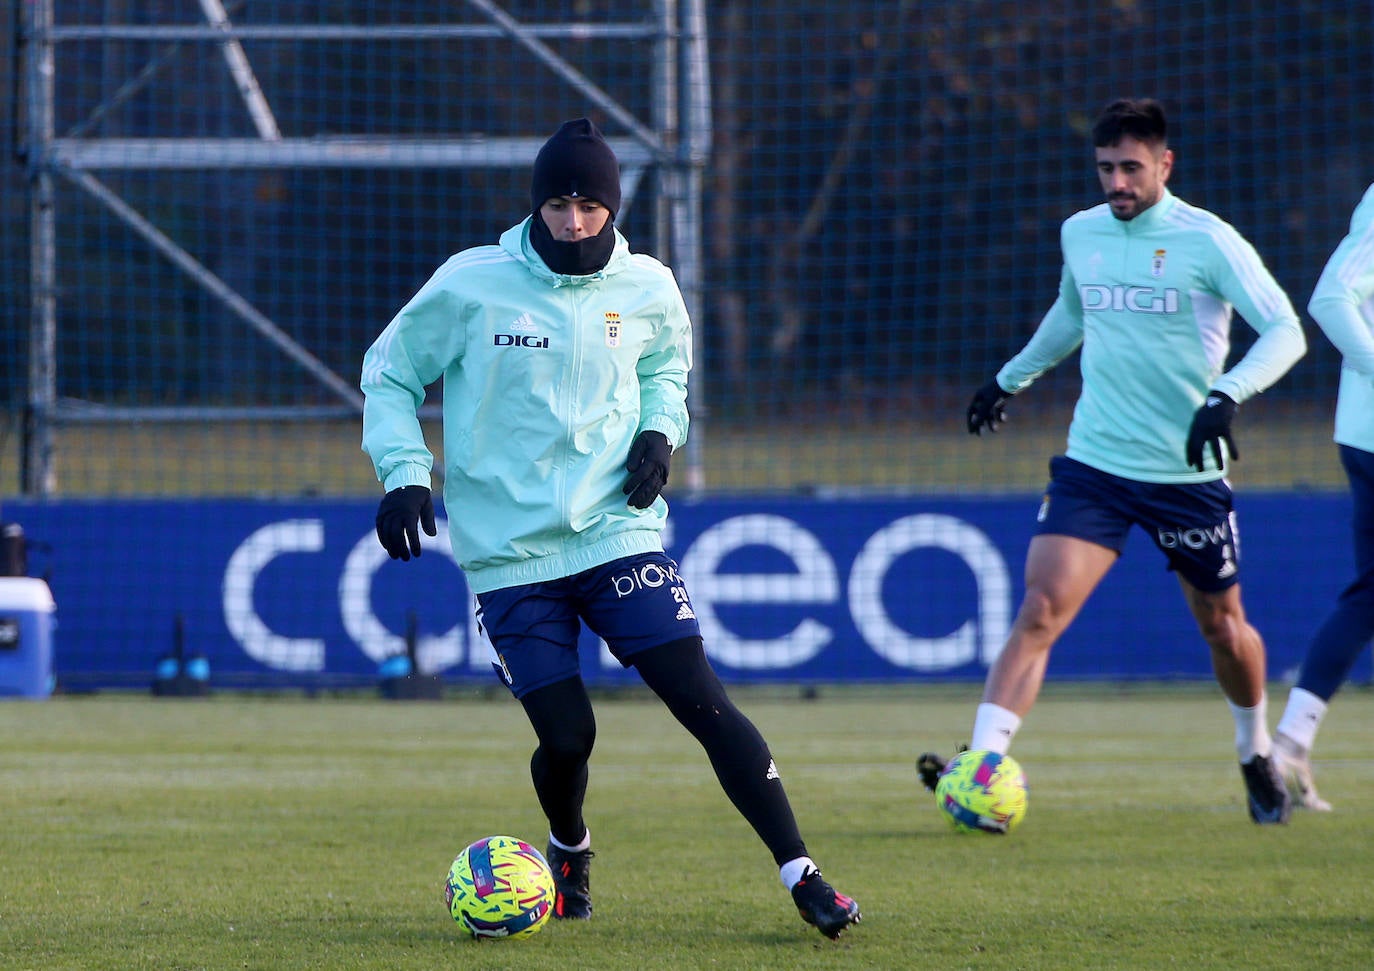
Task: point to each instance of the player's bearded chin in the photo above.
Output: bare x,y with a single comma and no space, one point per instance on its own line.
1125,199
579,258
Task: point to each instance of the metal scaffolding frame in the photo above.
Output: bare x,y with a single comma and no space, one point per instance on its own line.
675,140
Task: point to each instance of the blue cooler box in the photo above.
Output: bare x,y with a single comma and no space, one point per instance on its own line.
26,620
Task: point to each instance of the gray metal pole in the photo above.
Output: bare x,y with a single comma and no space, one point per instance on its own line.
38,476
692,88
663,109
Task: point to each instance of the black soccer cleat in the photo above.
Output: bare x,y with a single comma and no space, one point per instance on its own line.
572,881
929,767
822,906
1266,795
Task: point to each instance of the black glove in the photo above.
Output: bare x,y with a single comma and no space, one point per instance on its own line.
648,468
1211,426
399,517
985,410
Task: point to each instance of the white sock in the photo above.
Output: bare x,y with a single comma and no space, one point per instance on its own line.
793,870
993,728
585,844
1302,717
1252,734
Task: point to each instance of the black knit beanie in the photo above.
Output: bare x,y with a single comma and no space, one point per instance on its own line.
577,162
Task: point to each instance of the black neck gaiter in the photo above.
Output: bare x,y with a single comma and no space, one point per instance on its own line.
582,258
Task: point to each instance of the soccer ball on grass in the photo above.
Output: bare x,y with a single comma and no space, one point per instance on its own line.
500,887
982,792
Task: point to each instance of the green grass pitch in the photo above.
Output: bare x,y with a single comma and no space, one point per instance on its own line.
247,832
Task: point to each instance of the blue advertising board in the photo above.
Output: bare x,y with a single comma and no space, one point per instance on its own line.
786,590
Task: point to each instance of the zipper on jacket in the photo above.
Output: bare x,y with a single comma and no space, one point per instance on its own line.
570,395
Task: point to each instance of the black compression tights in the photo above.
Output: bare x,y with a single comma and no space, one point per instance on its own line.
681,676
561,714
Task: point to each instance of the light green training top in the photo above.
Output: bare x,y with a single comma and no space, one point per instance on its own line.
548,379
1343,304
1150,301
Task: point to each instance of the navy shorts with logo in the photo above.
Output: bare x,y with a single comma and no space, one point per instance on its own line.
633,604
1194,524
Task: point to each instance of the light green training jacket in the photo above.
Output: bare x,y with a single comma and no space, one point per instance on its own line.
547,379
1150,300
1343,304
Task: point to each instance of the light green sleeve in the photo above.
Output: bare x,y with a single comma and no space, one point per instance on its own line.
419,343
663,369
1058,335
1340,303
1243,281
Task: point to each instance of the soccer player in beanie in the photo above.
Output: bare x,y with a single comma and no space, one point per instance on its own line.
565,359
1341,305
1147,290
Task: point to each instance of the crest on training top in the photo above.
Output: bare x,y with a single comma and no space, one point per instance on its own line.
612,329
1157,263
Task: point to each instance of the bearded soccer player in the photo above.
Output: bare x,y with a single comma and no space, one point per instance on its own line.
1148,288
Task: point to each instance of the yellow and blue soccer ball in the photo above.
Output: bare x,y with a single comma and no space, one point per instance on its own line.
500,887
982,792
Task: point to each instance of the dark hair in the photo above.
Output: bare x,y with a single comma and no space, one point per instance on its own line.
1139,118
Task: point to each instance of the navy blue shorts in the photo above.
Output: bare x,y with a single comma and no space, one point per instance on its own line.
1194,525
633,604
